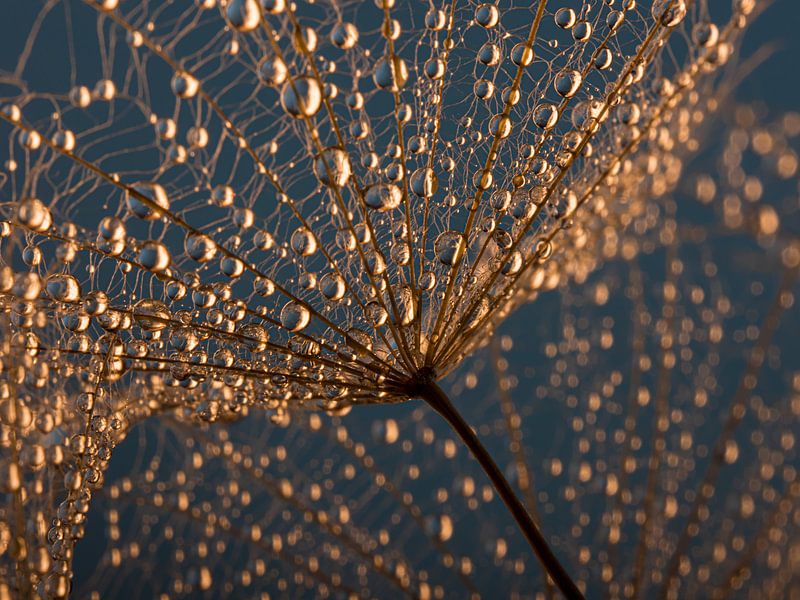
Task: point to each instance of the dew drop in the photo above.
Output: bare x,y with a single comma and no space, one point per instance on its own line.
185,85
332,286
344,35
272,71
243,15
567,83
332,167
152,191
303,242
545,116
487,16
449,247
154,256
294,317
63,288
301,98
390,74
383,197
424,182
33,214
151,314
565,18
669,12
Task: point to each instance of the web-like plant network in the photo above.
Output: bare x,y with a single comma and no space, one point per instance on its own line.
212,208
672,369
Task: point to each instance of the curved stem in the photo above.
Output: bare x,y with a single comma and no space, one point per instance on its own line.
438,400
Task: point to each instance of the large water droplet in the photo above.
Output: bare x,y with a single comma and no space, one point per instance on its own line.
272,71
668,12
568,82
332,167
303,242
63,288
545,116
154,256
332,287
151,314
449,247
489,54
152,191
344,35
390,74
243,15
200,247
565,17
383,197
33,214
294,316
301,98
487,15
424,182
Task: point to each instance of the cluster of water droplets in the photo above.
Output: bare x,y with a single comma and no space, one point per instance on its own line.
215,207
671,372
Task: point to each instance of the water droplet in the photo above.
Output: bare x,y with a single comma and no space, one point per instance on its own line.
105,90
152,191
390,74
377,314
106,5
30,140
257,337
231,266
565,18
301,98
483,89
669,12
383,197
332,287
33,214
303,242
424,182
344,35
332,167
449,247
223,195
376,264
489,54
487,15
545,116
63,288
65,140
80,96
435,19
582,31
272,71
184,85
95,303
154,256
294,316
604,59
263,286
522,54
567,83
273,7
500,126
705,34
151,314
243,15
197,137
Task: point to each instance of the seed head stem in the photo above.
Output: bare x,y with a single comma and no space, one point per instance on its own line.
436,398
